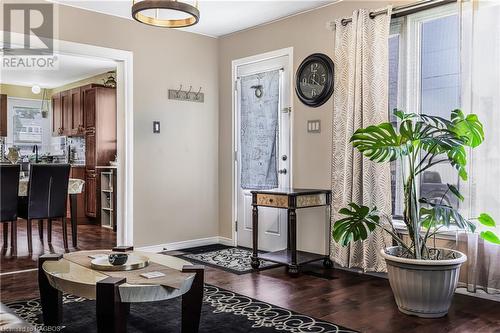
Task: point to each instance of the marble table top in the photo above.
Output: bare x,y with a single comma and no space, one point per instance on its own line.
70,277
75,186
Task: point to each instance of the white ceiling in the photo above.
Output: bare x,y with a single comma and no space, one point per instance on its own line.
217,18
71,68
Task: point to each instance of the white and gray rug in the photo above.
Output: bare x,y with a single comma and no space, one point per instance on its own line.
233,259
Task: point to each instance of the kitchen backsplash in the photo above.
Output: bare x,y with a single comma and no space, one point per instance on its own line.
76,147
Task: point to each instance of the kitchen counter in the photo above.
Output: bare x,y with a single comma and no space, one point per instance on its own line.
106,167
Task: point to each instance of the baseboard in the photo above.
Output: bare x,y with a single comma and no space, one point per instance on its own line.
226,241
187,244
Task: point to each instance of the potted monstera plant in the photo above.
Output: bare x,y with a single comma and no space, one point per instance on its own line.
423,277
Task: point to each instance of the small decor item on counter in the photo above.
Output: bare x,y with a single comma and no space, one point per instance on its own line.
47,158
13,155
117,259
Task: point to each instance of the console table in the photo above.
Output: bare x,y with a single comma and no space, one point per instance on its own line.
289,199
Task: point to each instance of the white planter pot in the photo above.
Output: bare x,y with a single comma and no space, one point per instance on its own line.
423,288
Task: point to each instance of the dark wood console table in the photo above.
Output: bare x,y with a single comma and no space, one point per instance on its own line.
289,199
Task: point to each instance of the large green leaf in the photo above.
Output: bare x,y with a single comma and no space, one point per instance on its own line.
436,214
486,220
468,127
490,237
436,122
404,116
458,159
379,143
360,221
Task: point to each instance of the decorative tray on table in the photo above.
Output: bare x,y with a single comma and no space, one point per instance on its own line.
134,261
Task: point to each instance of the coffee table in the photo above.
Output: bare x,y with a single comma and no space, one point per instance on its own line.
113,294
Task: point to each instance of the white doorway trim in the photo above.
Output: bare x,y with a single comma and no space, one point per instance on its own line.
125,125
234,73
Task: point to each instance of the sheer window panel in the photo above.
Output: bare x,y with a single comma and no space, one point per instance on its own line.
482,97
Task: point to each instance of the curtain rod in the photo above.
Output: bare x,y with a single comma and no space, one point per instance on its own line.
403,10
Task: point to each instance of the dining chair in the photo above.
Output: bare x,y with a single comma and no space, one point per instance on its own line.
9,181
47,199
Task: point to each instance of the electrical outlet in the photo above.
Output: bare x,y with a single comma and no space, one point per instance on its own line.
314,126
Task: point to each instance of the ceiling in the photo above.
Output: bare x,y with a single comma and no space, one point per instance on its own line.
217,18
71,68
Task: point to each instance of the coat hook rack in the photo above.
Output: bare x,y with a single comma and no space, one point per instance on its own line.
186,95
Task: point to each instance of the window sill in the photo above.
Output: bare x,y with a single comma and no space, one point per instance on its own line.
449,233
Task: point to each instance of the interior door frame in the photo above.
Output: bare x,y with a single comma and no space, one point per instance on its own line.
234,77
125,124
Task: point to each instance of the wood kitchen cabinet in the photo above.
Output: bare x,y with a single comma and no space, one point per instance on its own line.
91,193
99,108
66,112
76,113
3,115
57,115
67,116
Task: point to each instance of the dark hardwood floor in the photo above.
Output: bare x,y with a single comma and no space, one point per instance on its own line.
356,301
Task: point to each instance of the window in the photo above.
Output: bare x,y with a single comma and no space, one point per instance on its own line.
27,126
424,77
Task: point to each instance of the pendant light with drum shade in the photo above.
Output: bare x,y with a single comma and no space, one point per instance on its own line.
166,13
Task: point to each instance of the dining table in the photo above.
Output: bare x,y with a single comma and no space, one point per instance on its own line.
75,187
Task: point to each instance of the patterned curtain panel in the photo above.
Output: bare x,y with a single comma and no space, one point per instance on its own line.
360,100
259,130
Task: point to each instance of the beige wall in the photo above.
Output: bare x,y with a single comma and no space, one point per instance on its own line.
12,90
182,185
306,33
175,172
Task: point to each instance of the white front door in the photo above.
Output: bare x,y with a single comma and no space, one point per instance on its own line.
272,222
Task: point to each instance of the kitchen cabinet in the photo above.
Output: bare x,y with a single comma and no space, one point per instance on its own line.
3,115
76,113
66,112
99,108
57,115
90,193
68,116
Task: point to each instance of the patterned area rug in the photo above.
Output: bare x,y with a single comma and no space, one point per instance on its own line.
223,311
237,260
232,259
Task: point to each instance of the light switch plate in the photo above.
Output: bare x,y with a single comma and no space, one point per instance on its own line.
314,126
156,127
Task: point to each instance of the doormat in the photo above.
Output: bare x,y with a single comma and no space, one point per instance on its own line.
231,259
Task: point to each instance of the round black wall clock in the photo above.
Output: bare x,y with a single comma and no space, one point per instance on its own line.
314,80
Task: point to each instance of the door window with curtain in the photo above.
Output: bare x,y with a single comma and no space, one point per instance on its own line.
259,130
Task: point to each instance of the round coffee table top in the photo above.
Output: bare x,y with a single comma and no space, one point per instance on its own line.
76,279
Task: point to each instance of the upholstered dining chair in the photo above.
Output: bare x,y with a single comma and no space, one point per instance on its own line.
47,198
9,184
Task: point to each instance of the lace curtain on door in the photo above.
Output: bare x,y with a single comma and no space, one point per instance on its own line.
259,130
